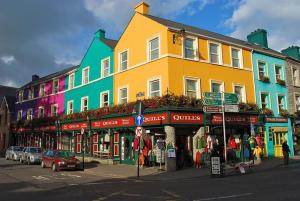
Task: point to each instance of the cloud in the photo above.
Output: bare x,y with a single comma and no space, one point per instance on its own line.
8,59
280,19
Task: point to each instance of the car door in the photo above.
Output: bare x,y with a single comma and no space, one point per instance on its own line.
50,158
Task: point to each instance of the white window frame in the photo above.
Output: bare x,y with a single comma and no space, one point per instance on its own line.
83,75
21,96
220,56
42,91
20,115
297,81
51,110
195,45
266,74
240,55
39,112
149,49
217,82
28,115
53,87
101,98
149,86
119,94
295,98
69,111
71,82
198,87
269,100
120,59
244,97
103,69
284,102
82,101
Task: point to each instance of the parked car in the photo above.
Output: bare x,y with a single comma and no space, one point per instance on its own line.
13,153
31,155
60,160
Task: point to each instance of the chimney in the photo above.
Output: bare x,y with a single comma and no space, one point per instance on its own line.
100,33
258,37
292,51
35,77
142,8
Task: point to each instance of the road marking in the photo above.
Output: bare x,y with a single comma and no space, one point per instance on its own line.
225,197
110,195
131,194
71,175
171,193
40,178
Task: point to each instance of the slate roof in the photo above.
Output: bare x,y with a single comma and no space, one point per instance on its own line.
109,42
7,91
175,25
48,77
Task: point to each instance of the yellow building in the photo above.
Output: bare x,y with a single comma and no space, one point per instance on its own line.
155,55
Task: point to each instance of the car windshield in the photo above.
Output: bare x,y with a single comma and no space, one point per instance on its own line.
34,150
17,149
64,154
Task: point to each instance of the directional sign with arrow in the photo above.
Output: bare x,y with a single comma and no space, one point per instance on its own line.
230,98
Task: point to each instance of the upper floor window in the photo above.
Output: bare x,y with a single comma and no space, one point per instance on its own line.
104,99
278,72
84,104
85,76
214,52
216,87
54,110
264,97
154,88
123,96
124,60
190,48
19,116
20,97
296,77
41,112
71,81
240,91
154,49
42,91
55,86
105,67
281,104
297,102
29,114
70,107
191,86
235,57
30,93
262,70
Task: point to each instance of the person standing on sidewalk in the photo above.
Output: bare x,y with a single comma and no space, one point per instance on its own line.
286,152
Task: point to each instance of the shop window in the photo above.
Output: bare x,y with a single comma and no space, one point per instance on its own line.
154,49
190,48
79,143
116,150
105,66
84,104
154,88
124,60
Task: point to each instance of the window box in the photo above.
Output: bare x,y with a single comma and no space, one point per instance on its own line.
284,113
281,82
264,79
266,111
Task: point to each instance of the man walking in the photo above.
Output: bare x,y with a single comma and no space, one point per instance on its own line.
285,151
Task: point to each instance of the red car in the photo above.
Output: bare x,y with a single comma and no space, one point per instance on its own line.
60,160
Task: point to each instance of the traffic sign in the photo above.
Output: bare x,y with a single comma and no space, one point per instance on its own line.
139,131
230,98
231,108
212,102
212,95
212,109
139,120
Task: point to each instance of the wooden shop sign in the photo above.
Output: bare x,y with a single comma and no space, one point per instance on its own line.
155,119
110,123
276,119
234,119
75,126
187,118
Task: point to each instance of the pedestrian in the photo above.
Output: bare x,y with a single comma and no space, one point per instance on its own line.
285,151
142,159
257,153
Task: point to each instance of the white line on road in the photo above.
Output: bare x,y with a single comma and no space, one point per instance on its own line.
40,178
225,197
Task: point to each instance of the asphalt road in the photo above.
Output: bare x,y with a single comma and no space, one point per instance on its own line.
23,182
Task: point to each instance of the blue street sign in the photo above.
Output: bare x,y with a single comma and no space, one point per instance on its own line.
139,120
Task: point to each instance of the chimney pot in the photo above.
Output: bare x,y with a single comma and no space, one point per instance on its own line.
142,8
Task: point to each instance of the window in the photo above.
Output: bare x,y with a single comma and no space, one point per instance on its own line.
278,72
29,114
261,70
297,101
70,108
190,48
55,88
264,97
42,91
71,81
154,49
30,93
19,116
84,104
191,86
124,60
85,76
296,77
280,100
216,87
235,57
41,112
123,95
20,97
240,91
214,50
105,67
104,99
154,88
54,110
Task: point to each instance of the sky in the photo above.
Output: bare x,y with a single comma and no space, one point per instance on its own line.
42,37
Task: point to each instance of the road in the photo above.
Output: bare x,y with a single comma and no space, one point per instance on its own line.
23,182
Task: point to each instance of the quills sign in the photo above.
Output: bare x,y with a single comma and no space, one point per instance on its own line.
156,119
120,122
76,126
186,118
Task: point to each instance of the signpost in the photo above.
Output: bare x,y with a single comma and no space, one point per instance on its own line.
231,99
214,102
231,108
212,109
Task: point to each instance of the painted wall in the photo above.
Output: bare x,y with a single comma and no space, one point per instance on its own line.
92,59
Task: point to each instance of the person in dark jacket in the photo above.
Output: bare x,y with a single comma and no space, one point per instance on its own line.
285,151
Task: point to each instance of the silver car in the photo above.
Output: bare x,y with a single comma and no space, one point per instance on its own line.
13,153
31,155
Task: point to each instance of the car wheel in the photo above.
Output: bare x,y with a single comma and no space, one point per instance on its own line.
43,164
54,168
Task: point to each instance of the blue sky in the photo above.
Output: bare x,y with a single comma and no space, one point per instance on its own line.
42,37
